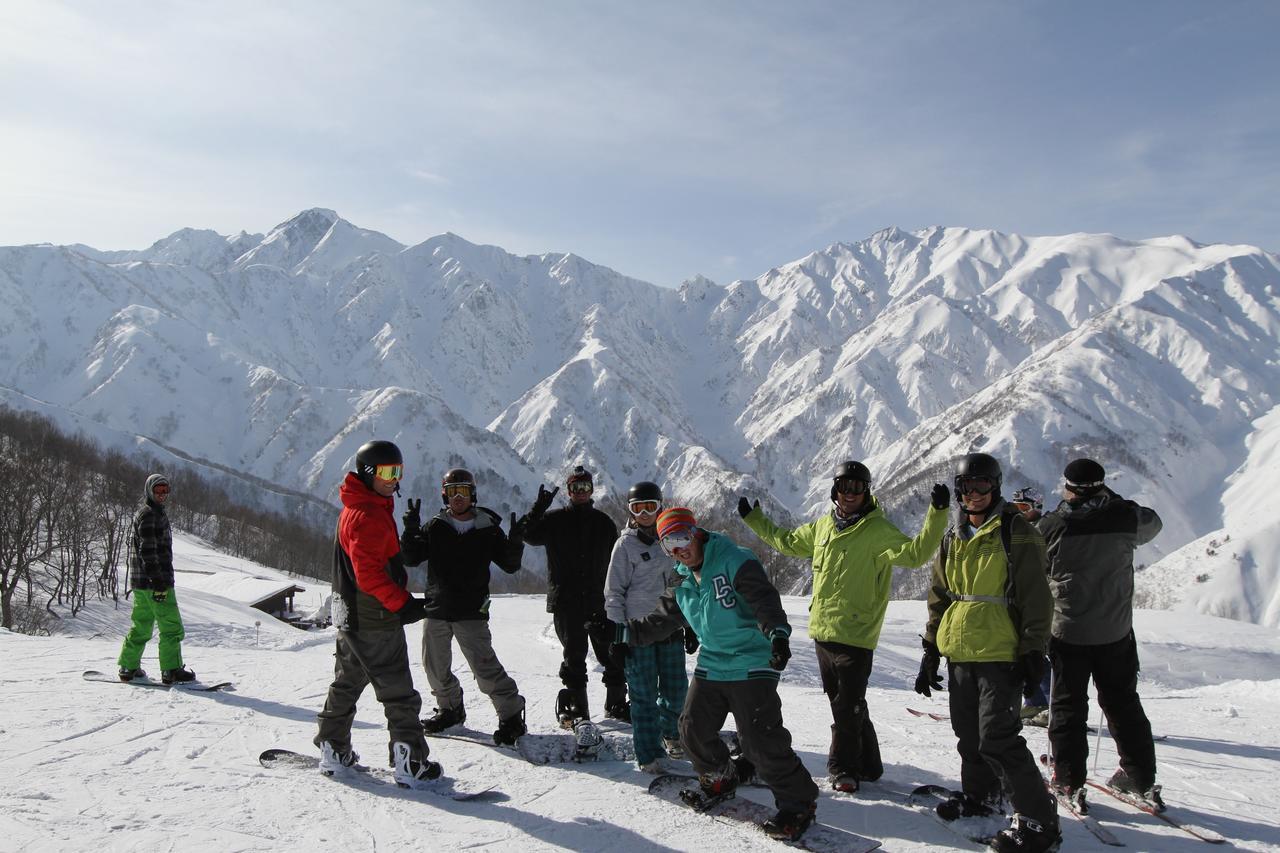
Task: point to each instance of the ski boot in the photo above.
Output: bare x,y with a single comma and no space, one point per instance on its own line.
616,706
571,706
1064,790
510,729
177,676
1025,835
334,761
1124,783
131,674
410,772
788,825
444,718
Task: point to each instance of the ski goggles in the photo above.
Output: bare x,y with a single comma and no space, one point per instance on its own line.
850,486
1025,506
452,490
581,487
977,485
677,540
640,507
388,472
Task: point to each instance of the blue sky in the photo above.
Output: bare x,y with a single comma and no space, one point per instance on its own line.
661,139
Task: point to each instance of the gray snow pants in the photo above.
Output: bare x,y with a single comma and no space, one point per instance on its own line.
380,658
476,643
766,743
985,700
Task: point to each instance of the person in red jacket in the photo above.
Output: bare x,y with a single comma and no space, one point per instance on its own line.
370,607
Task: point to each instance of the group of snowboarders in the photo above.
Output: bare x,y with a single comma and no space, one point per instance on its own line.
1009,586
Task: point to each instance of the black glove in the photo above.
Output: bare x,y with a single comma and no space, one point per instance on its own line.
596,621
690,642
414,610
929,679
160,596
1032,666
745,507
517,528
781,653
412,517
543,501
940,497
620,650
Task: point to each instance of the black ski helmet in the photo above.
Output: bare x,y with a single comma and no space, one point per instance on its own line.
978,465
645,491
458,475
853,471
372,454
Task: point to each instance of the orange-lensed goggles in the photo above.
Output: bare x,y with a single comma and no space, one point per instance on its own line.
388,472
638,507
452,490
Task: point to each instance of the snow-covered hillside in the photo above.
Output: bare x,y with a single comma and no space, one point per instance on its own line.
278,355
91,766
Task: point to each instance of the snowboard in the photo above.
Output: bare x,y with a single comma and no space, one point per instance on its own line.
979,830
196,686
819,837
284,759
556,748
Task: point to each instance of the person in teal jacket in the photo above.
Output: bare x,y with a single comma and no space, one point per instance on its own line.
726,598
854,549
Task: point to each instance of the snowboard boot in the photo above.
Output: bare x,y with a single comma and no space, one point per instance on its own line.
571,706
510,729
744,769
660,766
963,805
131,674
1025,835
712,789
616,706
334,761
444,718
410,772
587,740
673,747
845,783
177,676
788,825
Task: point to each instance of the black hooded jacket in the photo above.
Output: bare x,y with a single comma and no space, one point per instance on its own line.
579,540
458,563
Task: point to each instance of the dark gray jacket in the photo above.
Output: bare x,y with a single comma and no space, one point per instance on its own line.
1091,544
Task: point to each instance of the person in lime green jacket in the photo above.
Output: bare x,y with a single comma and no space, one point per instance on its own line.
989,615
854,547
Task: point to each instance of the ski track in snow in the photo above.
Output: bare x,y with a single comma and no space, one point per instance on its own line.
96,766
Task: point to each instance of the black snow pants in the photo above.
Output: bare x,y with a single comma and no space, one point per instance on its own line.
855,750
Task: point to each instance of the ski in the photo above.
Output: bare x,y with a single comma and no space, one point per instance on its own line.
285,759
979,830
819,837
1156,809
193,686
931,715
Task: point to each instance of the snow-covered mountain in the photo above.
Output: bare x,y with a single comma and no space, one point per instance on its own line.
278,355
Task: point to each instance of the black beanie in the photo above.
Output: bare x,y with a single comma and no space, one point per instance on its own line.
1083,476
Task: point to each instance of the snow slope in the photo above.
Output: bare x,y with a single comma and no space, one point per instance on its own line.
108,767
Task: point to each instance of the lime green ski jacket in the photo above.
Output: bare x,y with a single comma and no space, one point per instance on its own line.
852,568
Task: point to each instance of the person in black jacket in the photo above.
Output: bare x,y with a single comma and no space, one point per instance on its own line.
151,573
579,540
1091,537
458,545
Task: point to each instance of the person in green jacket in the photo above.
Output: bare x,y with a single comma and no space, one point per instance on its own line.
854,548
989,614
727,599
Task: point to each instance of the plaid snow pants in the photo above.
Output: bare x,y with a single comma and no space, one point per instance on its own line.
658,682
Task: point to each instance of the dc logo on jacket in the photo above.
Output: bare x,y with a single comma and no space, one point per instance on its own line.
724,592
